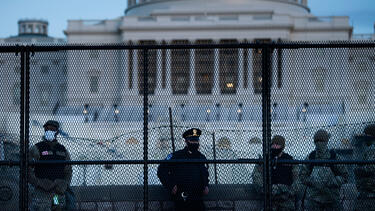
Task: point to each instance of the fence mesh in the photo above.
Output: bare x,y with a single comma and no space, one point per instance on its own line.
102,98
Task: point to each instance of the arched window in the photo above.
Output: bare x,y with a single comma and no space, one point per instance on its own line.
180,68
17,93
228,68
94,80
45,94
204,68
151,67
362,89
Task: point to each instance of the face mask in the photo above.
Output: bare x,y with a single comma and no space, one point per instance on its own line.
321,146
49,135
192,147
275,152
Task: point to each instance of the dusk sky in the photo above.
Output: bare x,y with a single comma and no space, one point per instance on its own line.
361,12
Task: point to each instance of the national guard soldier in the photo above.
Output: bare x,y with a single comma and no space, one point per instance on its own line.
365,175
284,177
50,181
186,182
323,182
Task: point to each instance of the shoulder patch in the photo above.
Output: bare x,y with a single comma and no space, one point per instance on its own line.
169,157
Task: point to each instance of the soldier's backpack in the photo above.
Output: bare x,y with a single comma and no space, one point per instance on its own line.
333,156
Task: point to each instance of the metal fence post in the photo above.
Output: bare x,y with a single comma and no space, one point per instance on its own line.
145,129
24,127
266,120
214,153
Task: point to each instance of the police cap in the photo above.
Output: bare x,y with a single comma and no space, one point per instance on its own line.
52,123
192,134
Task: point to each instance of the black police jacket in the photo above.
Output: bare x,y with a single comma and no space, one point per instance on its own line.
282,173
46,152
189,178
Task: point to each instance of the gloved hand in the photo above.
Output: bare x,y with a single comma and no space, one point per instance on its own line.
61,186
46,184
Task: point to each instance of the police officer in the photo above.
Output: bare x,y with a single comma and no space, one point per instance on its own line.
186,182
284,177
365,175
323,182
50,181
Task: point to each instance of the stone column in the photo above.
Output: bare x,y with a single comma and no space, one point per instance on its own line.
192,90
159,78
240,87
249,71
134,89
124,68
168,73
216,89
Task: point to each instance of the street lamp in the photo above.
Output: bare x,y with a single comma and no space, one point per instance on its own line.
182,112
116,112
239,111
218,111
85,112
208,115
304,110
273,111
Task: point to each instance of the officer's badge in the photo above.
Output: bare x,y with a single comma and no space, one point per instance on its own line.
195,132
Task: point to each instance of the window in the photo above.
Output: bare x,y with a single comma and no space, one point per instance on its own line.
152,54
56,62
204,68
180,68
263,17
29,28
45,94
38,29
362,89
17,69
362,66
228,17
228,68
180,18
17,94
257,67
94,54
44,69
23,28
94,83
319,78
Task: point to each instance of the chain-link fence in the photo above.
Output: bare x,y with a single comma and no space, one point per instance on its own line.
123,109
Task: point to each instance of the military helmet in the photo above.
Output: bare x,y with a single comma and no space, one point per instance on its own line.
52,123
321,135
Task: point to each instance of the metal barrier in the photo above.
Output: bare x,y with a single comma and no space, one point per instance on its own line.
123,107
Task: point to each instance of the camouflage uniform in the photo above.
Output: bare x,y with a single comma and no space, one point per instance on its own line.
284,180
45,189
323,182
365,175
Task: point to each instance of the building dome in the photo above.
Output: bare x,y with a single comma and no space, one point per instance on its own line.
149,7
32,27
